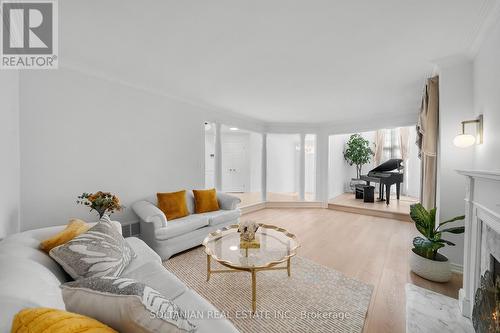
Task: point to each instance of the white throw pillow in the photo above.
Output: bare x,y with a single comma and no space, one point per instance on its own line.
101,251
127,305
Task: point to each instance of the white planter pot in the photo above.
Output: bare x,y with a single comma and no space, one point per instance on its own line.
438,271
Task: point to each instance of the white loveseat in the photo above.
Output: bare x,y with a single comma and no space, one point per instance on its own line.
30,278
170,237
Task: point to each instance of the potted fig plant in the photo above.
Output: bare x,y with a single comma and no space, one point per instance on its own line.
425,259
358,152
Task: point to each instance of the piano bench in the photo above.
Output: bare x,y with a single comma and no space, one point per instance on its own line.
359,191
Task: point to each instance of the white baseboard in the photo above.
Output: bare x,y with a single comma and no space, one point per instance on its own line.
282,204
295,204
456,268
252,208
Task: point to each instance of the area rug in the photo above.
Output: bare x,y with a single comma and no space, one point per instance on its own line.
314,299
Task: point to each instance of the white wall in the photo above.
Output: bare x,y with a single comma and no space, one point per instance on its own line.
83,133
255,155
310,164
487,100
455,105
336,165
282,163
9,149
467,89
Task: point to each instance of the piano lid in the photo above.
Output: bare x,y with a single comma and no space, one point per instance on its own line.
392,164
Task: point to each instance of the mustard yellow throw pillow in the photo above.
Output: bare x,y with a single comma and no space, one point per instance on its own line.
38,320
173,205
205,201
74,228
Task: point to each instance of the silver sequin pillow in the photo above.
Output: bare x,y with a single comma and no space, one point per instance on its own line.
101,251
127,305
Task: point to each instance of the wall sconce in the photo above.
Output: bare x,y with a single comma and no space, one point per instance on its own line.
466,140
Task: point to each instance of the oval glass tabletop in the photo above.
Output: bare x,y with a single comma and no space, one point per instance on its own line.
272,245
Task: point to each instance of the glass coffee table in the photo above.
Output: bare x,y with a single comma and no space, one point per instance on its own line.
275,246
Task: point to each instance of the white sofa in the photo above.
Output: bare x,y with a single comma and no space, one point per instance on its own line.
30,278
170,237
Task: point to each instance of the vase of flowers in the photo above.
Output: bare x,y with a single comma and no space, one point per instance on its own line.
101,202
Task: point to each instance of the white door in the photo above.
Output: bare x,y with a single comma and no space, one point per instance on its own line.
235,167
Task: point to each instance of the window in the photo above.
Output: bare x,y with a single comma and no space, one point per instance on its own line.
391,144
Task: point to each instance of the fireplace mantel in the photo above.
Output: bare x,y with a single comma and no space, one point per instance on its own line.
481,174
482,206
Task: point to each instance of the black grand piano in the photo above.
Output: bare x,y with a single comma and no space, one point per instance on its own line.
385,175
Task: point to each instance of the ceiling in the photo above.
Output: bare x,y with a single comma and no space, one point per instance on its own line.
294,61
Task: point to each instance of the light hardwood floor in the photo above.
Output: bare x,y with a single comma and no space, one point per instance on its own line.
372,249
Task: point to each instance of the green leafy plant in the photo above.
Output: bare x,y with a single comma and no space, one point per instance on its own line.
358,152
425,221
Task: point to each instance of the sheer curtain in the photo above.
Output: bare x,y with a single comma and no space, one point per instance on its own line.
379,146
404,147
404,136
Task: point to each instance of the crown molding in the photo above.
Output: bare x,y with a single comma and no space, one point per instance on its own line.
375,122
214,114
298,128
452,60
489,16
232,118
388,120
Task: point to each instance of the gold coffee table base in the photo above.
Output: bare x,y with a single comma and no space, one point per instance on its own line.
253,271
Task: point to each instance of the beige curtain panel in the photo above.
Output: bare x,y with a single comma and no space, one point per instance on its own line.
379,146
427,138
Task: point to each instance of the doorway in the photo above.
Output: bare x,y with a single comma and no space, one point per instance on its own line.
235,164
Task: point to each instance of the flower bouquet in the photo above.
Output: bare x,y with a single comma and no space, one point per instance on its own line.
101,202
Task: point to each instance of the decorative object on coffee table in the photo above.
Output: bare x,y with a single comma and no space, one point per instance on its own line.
247,230
425,260
224,246
102,202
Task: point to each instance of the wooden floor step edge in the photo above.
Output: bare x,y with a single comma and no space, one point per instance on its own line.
370,212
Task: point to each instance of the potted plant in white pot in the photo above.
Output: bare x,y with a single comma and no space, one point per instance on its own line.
425,259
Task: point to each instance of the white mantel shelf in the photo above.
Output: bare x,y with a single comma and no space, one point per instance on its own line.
491,175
